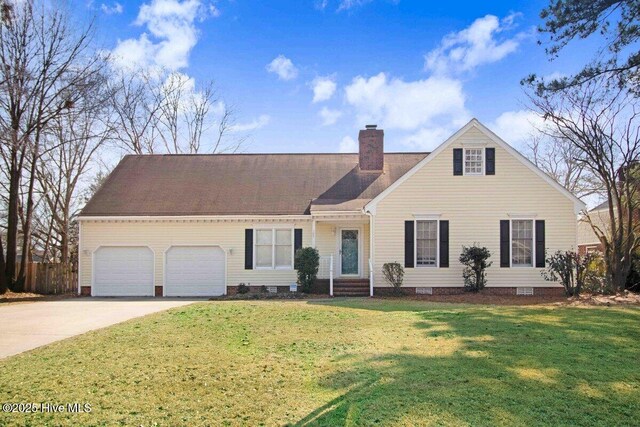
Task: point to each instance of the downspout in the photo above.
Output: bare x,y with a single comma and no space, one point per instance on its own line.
372,248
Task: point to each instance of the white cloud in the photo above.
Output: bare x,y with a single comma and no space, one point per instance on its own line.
516,127
342,5
329,116
283,67
398,104
348,145
350,4
321,4
323,88
171,25
429,138
214,11
258,123
115,8
474,46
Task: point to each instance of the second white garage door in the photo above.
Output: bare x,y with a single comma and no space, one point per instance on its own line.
192,271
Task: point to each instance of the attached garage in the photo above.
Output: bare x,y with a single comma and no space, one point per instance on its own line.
123,271
192,271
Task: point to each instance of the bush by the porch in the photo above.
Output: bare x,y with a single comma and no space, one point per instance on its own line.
307,262
393,273
474,259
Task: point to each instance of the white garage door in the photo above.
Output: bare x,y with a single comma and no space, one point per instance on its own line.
123,271
194,271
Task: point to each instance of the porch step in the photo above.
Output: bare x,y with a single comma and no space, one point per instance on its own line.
351,288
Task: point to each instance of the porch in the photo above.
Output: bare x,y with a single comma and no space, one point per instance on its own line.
343,242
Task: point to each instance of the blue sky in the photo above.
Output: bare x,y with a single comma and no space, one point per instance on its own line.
305,75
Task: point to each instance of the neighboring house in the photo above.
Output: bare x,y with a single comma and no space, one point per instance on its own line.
588,241
186,225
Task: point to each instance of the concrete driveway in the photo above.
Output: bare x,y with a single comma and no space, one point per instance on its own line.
30,325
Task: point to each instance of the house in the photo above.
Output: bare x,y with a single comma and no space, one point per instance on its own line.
187,225
588,241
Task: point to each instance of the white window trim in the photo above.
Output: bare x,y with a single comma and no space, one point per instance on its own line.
415,242
464,160
533,243
273,247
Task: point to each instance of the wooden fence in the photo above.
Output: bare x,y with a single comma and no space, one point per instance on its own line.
50,278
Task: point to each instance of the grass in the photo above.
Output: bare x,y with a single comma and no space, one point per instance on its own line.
342,362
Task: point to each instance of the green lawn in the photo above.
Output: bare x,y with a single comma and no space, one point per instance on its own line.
353,362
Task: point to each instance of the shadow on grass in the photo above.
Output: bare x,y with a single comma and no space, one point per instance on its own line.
494,365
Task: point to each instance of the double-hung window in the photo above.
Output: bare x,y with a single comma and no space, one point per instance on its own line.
274,248
522,243
473,161
427,243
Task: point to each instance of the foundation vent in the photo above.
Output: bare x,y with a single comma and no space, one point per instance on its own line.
524,291
424,291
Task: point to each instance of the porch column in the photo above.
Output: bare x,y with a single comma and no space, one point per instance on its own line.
313,234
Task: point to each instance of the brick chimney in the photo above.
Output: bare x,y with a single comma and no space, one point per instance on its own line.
371,142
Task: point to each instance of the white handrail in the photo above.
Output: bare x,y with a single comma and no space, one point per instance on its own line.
370,278
331,276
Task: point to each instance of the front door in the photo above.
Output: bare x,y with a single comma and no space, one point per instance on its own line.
349,256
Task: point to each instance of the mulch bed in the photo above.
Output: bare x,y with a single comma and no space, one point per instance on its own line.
621,298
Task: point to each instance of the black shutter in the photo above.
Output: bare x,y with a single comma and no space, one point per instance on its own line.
457,161
248,249
297,239
408,244
540,244
444,243
505,238
490,154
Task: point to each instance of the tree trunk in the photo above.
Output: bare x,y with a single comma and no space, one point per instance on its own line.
3,278
26,234
12,221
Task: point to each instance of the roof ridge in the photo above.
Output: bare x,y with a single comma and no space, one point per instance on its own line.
266,154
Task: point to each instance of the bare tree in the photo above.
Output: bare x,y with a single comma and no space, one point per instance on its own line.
168,113
188,113
77,138
46,65
136,105
601,122
559,158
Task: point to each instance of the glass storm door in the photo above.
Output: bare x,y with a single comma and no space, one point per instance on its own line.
349,252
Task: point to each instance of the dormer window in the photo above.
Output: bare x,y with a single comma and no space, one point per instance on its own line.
473,161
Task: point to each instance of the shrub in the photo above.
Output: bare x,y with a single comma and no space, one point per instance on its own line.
393,273
633,279
474,259
243,289
576,272
307,262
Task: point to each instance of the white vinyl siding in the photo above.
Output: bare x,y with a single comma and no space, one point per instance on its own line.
426,243
522,243
473,161
474,208
160,235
